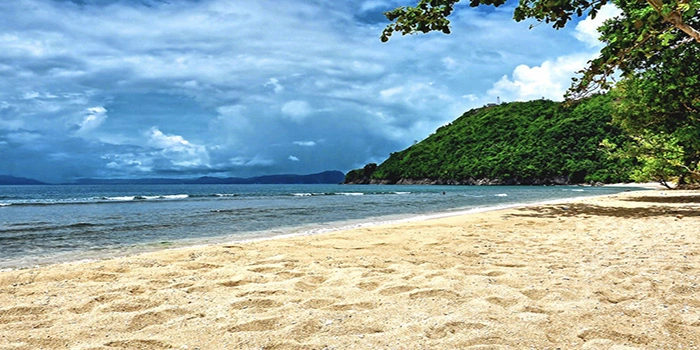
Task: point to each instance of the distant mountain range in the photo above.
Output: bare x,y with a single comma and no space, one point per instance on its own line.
326,177
13,180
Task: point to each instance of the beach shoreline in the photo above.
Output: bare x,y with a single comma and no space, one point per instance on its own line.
85,251
617,271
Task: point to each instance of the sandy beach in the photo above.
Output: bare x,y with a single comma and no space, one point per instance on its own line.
614,272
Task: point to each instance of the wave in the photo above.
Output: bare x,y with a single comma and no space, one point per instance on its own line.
146,198
127,198
306,194
95,200
501,195
312,194
212,195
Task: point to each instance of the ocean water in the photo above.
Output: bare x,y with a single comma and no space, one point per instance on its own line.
58,223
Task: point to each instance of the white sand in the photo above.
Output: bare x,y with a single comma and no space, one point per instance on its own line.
616,272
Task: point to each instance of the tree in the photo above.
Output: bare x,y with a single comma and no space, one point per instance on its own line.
645,28
659,107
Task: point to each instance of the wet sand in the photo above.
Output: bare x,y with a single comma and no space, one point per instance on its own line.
615,272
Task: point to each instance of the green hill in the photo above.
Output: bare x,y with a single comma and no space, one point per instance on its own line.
536,142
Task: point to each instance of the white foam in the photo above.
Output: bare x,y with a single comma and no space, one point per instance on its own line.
174,196
144,198
121,198
502,195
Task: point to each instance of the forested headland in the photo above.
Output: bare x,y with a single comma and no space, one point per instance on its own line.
527,143
647,128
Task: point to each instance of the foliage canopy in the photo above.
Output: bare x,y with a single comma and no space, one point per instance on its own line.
659,108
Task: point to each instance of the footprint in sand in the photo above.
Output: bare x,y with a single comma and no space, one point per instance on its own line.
494,273
435,293
451,328
262,293
288,275
685,326
132,289
535,294
198,266
20,314
368,286
502,302
138,304
378,272
236,283
199,289
318,303
144,344
354,306
152,318
483,343
182,285
45,343
613,297
309,283
266,269
267,324
396,290
591,334
306,329
99,276
254,304
92,304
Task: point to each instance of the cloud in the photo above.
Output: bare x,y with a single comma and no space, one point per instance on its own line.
305,143
23,137
277,87
237,100
255,161
178,151
128,163
550,80
296,110
293,158
587,29
96,116
552,77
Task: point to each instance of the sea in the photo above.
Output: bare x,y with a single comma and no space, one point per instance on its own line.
45,224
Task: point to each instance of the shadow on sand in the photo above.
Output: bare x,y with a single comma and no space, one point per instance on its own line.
667,199
579,209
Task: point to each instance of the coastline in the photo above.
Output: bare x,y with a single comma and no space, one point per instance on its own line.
410,208
616,271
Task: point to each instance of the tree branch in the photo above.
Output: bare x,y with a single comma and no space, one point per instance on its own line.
675,18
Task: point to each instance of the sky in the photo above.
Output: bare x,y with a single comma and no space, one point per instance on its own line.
233,88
